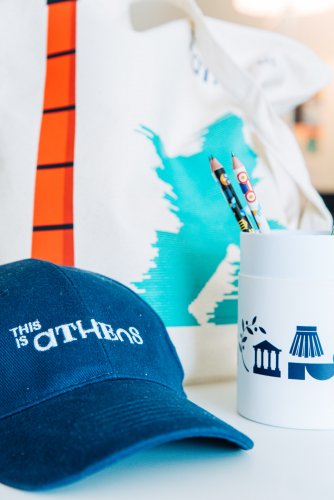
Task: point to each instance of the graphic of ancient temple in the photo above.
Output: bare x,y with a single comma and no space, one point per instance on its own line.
266,360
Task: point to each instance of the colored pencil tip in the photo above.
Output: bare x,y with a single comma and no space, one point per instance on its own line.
232,154
215,164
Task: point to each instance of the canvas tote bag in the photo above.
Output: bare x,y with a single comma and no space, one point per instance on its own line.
150,106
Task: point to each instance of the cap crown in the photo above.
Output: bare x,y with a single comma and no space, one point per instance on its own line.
62,328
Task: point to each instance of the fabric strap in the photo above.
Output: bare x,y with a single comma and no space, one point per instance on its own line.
273,133
53,230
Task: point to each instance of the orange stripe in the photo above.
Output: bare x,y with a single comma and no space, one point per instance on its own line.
53,204
59,88
57,245
56,143
61,29
59,209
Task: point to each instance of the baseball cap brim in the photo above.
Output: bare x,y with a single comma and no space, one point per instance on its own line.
81,431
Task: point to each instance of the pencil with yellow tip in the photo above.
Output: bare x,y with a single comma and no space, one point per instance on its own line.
231,196
250,195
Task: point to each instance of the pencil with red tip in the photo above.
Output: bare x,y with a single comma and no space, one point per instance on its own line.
250,195
231,196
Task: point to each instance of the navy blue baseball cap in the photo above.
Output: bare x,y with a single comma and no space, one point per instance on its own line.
88,376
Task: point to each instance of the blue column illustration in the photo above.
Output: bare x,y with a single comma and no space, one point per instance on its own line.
306,344
266,359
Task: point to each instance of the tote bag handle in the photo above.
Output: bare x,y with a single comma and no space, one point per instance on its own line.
274,134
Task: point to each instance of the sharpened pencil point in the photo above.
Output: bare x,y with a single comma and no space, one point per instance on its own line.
232,154
215,164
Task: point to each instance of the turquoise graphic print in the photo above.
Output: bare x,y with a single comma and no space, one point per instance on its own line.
186,260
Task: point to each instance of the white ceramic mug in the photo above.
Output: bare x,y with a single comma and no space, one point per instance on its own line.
286,329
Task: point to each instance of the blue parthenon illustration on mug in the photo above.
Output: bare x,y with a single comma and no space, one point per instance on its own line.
266,359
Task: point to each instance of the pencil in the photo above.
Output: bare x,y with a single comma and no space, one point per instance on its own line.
230,195
250,195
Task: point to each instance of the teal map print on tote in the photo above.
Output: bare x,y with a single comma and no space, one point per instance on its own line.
186,260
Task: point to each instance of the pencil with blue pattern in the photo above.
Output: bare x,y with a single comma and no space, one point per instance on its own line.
250,195
230,195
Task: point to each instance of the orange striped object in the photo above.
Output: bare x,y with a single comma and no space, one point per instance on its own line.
53,234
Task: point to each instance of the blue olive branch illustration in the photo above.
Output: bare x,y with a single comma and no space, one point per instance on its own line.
250,328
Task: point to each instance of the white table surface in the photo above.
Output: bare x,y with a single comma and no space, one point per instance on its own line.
284,464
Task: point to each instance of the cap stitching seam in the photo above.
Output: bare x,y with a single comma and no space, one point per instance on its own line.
59,268
147,306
